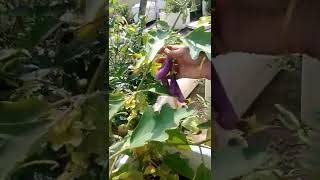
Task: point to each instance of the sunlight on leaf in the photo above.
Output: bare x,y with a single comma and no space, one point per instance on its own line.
116,101
198,40
152,125
176,137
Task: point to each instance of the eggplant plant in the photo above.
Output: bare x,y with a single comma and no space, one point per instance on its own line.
135,83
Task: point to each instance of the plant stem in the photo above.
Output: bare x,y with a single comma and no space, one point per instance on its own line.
201,155
99,72
196,144
118,153
112,166
175,22
144,76
180,12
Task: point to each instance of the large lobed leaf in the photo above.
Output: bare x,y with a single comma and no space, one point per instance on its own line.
152,125
156,42
116,101
198,41
21,124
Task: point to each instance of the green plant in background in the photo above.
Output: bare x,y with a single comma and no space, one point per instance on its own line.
179,6
208,7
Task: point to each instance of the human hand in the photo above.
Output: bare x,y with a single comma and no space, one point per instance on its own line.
185,66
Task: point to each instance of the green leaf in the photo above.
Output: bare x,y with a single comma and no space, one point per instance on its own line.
191,124
116,101
203,20
182,113
202,173
123,168
159,41
19,112
176,137
164,25
231,162
25,123
159,89
198,41
205,125
95,120
178,165
123,144
129,175
156,42
67,130
152,125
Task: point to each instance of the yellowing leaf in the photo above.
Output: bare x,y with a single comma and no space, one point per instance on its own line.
67,130
198,41
137,55
176,137
149,170
89,30
191,124
132,29
154,68
139,150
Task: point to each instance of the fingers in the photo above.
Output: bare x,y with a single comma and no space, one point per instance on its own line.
170,47
174,54
173,47
161,60
161,51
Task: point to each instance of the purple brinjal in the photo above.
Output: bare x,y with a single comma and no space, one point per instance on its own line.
224,113
164,70
175,89
164,81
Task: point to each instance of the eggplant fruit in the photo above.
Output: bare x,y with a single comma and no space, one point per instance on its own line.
164,70
175,89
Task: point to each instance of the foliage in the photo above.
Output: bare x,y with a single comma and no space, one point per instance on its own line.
137,129
179,6
52,104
